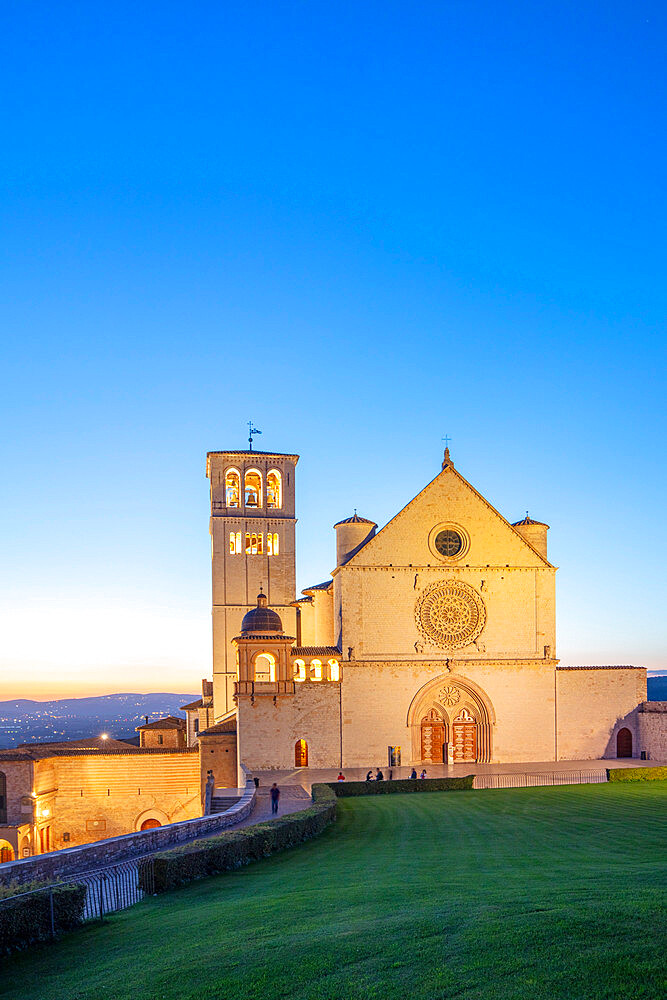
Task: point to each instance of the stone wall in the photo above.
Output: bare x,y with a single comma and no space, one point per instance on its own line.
652,720
593,704
60,865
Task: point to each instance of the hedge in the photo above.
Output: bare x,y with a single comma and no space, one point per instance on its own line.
238,847
343,789
25,913
637,774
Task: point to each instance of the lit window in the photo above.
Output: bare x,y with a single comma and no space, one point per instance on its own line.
265,668
274,489
316,670
234,543
233,488
299,670
334,670
276,547
253,488
272,543
254,543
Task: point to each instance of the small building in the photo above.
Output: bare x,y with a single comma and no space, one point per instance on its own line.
199,714
55,795
167,732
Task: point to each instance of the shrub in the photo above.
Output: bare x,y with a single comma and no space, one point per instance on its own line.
25,913
343,789
238,847
637,774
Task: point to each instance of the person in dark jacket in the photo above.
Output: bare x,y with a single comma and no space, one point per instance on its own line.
379,776
275,796
369,776
413,773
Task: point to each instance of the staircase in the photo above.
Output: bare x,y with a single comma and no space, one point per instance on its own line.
221,803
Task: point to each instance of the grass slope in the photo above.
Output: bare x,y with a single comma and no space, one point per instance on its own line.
494,895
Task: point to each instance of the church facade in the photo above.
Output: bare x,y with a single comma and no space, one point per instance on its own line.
433,641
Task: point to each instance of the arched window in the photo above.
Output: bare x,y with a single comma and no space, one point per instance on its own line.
272,546
334,670
234,543
254,543
316,670
3,798
233,488
299,670
265,668
150,824
301,753
624,743
274,489
253,488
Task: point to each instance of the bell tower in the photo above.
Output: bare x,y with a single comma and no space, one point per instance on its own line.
252,529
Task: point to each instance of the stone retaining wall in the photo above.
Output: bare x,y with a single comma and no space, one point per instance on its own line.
59,865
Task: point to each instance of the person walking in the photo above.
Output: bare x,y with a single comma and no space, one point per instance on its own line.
413,774
275,796
423,774
341,776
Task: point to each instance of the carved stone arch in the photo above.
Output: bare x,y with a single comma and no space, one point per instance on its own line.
449,693
147,815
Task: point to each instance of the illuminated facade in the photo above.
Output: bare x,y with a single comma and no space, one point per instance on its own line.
435,635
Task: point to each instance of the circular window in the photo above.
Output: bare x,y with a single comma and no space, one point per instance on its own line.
448,542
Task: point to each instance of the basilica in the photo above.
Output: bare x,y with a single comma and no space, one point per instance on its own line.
432,641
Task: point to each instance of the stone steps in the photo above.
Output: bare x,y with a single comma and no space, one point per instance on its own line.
221,803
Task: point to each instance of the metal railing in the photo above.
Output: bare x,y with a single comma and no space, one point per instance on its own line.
517,779
107,891
116,887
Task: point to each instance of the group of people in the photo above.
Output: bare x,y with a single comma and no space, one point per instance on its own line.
379,776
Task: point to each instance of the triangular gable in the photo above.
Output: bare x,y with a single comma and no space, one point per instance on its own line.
449,498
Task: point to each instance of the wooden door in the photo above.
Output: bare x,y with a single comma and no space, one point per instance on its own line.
464,737
433,737
6,852
301,753
624,743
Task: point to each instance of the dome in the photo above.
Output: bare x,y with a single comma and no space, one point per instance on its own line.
261,618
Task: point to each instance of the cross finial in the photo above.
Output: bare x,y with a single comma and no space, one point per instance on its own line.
447,460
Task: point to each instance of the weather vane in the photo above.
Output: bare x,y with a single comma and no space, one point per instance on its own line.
251,430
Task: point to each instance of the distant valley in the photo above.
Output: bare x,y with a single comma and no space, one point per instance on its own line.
26,721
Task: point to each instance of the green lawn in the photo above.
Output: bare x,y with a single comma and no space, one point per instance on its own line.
524,893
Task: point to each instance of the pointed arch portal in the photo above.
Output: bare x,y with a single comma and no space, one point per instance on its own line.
451,720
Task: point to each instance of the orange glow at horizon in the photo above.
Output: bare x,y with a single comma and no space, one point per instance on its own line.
76,651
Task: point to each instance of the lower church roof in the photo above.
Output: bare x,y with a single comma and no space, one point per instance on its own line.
315,651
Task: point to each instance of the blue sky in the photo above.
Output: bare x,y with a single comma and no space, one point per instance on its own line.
362,226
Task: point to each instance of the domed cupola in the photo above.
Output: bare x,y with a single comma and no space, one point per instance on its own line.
534,532
261,619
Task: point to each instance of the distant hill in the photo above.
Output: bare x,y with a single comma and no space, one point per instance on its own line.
26,721
657,688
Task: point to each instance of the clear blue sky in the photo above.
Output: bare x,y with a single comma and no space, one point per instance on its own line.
362,225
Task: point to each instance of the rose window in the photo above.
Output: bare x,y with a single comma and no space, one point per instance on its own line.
450,696
450,614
